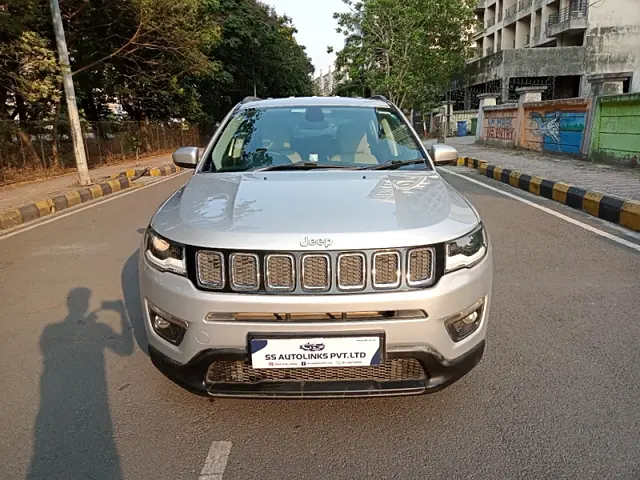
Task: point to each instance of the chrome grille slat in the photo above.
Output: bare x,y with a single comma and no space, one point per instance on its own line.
420,266
386,269
316,272
280,272
241,372
351,271
245,271
210,269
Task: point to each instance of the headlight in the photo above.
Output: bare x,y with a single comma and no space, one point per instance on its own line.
164,254
466,251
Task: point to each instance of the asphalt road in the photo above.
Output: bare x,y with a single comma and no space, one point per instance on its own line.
556,396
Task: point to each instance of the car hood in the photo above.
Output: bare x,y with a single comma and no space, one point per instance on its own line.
290,210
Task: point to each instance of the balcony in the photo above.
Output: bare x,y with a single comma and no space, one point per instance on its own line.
499,45
510,13
536,33
527,40
480,6
491,22
571,19
538,4
525,5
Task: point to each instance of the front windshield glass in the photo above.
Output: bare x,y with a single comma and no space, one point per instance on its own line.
331,136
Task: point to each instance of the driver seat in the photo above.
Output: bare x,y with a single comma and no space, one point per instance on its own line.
280,144
354,146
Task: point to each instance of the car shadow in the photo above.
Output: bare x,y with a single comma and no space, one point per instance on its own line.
74,431
131,293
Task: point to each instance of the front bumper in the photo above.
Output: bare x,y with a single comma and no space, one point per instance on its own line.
441,374
425,339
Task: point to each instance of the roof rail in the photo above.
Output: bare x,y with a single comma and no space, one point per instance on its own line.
249,99
379,97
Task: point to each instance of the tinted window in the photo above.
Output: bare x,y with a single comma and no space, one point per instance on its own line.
349,136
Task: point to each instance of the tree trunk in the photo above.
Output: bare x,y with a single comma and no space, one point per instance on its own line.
55,154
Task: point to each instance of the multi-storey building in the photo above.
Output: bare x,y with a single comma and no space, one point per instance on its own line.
554,43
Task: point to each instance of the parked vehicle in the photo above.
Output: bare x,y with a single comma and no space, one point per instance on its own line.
315,252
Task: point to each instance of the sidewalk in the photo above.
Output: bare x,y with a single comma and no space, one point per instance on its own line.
13,196
612,180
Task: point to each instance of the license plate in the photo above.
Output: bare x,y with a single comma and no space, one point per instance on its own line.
316,352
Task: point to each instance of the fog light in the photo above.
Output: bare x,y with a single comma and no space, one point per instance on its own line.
465,323
167,326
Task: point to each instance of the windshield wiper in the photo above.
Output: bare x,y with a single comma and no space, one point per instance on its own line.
393,164
299,166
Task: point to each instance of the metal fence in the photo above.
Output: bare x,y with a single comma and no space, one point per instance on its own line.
38,149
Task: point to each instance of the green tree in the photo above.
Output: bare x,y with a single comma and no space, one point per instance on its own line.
258,53
407,50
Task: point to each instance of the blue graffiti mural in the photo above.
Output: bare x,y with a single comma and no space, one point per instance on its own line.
559,130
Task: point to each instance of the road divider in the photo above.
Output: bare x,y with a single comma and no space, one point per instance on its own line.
32,211
613,209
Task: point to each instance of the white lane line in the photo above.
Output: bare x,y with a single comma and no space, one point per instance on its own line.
573,221
95,204
216,462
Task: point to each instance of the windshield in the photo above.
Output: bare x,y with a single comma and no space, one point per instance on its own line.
348,137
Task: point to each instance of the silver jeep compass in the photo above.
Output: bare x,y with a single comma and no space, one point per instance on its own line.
315,252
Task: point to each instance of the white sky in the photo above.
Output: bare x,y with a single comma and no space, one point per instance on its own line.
316,27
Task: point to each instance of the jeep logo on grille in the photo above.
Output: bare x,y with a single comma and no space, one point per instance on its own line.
316,242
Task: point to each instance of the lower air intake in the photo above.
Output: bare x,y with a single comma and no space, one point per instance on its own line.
241,372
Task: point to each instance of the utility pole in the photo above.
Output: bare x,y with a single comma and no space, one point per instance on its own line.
70,95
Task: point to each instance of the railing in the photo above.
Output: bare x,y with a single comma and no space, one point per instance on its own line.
524,5
480,4
488,51
511,11
491,22
499,45
572,12
536,32
527,39
39,149
538,4
475,53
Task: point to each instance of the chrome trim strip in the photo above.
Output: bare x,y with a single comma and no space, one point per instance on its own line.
431,278
268,285
223,275
327,259
364,272
382,286
241,288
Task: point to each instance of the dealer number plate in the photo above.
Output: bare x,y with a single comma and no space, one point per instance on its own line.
360,351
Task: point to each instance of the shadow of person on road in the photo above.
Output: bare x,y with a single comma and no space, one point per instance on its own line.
73,431
129,279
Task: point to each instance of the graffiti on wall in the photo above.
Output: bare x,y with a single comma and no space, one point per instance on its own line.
558,130
500,128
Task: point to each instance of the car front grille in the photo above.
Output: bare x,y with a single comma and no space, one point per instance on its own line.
242,372
312,273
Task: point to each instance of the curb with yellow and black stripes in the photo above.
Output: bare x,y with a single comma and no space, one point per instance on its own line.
27,213
616,210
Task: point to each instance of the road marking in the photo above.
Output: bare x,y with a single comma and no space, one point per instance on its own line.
99,202
573,221
216,461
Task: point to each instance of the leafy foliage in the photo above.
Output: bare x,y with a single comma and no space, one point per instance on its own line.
407,50
158,59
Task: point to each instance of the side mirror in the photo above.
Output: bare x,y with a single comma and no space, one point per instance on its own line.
443,154
186,157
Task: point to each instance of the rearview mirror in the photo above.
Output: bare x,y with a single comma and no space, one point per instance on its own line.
443,154
186,157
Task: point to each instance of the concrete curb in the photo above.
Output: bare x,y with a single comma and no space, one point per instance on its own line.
616,210
160,171
27,213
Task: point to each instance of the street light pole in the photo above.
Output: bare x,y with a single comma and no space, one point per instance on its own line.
70,94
